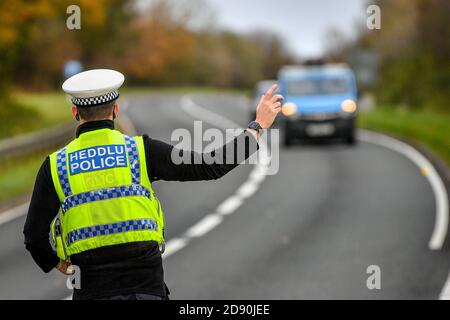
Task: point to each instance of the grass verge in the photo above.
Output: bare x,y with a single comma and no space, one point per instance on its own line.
427,128
33,111
26,112
18,175
179,90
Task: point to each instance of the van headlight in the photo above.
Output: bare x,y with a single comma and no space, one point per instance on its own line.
289,109
348,106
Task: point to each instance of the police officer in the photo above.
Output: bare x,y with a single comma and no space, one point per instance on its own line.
94,197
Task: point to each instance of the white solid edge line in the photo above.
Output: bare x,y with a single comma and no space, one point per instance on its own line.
203,226
441,223
14,213
440,193
229,205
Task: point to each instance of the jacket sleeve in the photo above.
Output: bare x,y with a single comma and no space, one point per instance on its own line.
44,207
198,166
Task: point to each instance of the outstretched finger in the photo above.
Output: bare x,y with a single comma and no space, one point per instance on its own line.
272,90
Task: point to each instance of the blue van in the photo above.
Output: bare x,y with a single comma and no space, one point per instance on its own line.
320,102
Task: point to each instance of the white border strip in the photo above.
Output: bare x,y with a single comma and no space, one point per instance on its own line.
427,169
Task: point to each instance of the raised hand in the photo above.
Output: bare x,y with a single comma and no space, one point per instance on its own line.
268,108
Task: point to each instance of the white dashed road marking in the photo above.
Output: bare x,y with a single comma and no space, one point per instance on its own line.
204,226
258,175
232,203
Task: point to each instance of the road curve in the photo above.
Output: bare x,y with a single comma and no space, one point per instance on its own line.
309,232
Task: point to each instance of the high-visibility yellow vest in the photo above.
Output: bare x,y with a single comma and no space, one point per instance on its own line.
106,196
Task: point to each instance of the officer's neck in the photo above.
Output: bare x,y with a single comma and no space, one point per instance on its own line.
87,126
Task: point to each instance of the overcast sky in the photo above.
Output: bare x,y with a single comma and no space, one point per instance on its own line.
302,23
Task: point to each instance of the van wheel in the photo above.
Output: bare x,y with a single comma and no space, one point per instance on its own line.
287,141
350,139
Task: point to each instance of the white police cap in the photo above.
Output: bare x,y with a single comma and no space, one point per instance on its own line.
94,87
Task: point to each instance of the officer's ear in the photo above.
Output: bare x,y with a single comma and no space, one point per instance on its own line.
115,110
75,114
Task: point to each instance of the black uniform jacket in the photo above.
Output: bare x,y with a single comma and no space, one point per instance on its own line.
125,268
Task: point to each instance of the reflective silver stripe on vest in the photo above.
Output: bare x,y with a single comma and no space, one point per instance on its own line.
111,228
133,158
61,169
104,194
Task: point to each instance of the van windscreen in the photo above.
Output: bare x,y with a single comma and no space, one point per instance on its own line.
317,86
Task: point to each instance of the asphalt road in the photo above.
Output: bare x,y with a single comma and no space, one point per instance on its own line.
309,232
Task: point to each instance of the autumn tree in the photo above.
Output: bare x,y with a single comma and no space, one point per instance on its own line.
169,42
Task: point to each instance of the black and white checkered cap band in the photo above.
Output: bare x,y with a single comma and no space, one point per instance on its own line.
94,101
